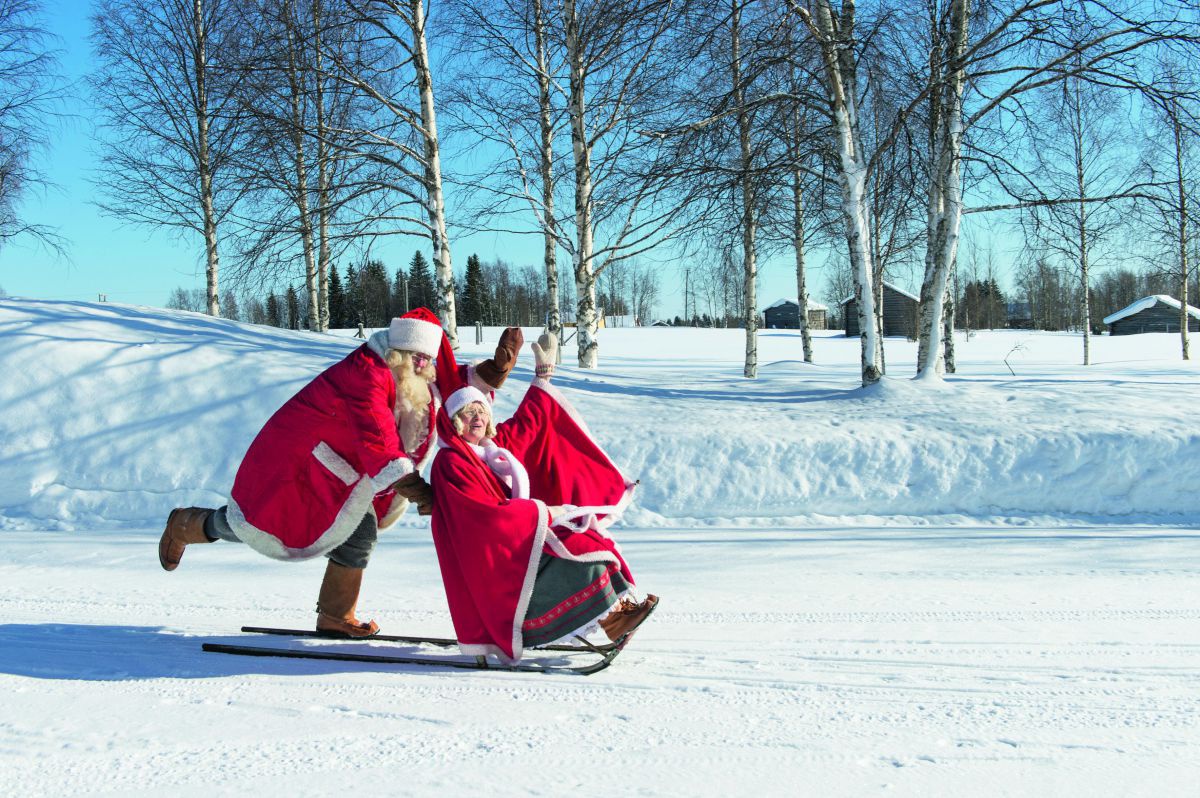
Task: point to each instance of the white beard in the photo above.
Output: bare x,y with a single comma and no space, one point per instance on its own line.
412,415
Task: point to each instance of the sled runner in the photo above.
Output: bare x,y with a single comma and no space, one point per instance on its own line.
604,654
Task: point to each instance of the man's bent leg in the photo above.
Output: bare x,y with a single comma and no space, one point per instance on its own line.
216,527
343,581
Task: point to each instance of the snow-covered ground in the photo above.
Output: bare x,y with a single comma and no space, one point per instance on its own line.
990,587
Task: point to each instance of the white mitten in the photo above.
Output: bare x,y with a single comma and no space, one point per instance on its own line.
545,352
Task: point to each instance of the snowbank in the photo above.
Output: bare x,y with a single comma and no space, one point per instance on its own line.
112,414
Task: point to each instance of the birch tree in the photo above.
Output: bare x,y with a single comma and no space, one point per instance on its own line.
749,220
833,33
949,27
508,93
30,92
1076,141
1170,159
301,200
1000,57
393,69
618,81
165,91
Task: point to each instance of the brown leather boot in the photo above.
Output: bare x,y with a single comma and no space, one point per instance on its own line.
184,525
625,617
338,598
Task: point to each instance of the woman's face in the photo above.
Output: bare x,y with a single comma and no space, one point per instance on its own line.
475,419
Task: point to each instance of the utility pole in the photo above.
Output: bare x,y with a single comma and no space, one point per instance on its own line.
686,274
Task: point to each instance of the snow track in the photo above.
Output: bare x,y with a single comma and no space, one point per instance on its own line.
924,664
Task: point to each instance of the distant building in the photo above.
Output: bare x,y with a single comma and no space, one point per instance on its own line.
1018,316
784,314
1158,313
899,313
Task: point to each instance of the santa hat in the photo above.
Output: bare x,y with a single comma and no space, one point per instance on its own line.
416,331
463,397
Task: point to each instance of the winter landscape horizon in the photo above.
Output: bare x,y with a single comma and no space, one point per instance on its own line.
983,585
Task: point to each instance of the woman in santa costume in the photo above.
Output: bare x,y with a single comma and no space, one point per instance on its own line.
340,460
521,512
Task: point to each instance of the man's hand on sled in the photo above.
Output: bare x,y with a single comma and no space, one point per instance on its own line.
545,353
412,487
495,371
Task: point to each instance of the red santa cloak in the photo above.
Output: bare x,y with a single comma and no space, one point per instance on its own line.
329,456
490,523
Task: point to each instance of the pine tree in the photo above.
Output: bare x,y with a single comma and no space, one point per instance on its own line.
376,294
229,306
274,318
293,309
420,283
474,300
337,300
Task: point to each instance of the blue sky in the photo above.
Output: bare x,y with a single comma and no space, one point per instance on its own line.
136,265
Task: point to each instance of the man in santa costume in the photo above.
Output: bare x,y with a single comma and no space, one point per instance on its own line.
521,512
340,460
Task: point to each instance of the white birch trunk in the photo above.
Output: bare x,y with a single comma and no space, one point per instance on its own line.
837,56
586,320
550,235
948,335
300,189
1082,228
799,240
323,253
854,209
1181,199
203,160
435,202
749,223
945,198
799,243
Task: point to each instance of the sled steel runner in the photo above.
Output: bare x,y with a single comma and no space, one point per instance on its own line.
442,642
479,663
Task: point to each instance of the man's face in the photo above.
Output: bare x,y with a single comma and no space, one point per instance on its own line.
420,361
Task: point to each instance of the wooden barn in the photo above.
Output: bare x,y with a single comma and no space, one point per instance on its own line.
1159,313
784,314
899,313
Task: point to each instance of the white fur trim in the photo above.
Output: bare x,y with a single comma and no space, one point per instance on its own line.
431,443
336,464
579,519
535,557
415,335
463,397
392,472
540,535
504,465
378,343
357,505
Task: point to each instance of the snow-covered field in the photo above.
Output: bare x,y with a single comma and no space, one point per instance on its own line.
989,587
